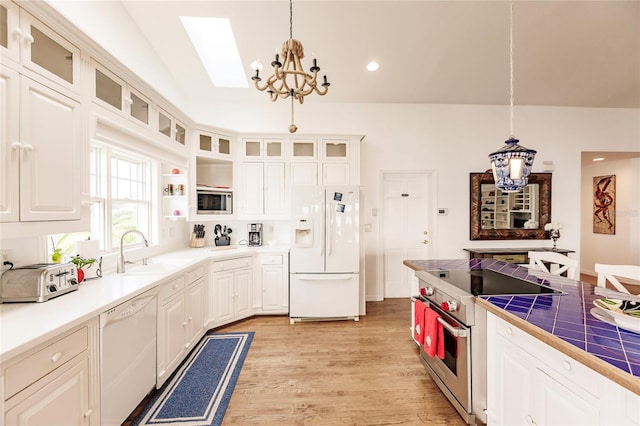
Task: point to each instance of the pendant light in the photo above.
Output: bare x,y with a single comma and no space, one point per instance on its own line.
511,165
289,79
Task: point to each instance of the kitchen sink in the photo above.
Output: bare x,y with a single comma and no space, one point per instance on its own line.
157,266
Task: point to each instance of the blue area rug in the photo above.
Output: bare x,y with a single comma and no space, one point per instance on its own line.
200,391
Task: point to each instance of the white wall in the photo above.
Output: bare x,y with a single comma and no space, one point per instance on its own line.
623,247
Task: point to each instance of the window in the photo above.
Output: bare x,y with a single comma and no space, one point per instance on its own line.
121,188
127,199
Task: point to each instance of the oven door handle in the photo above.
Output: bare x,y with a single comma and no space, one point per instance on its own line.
458,332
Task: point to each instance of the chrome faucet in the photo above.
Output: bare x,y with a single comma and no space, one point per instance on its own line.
121,260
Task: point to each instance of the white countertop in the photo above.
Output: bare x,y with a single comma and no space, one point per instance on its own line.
26,325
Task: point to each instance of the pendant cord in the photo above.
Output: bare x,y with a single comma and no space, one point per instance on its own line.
290,19
511,68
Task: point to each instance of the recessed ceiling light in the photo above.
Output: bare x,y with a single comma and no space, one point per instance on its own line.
213,40
598,159
373,66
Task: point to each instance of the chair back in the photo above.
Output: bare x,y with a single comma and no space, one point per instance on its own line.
540,259
611,273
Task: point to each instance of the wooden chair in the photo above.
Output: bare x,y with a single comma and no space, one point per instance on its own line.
611,273
540,259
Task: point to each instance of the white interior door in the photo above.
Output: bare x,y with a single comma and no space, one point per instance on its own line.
406,228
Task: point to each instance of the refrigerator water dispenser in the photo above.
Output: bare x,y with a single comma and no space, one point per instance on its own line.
304,233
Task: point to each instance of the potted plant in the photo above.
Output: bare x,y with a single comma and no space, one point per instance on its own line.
80,263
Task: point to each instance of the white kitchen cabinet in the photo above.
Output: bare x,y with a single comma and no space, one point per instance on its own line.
171,328
195,312
274,282
529,382
213,145
303,173
262,149
170,127
180,320
263,189
335,173
9,37
41,146
335,149
55,383
231,284
114,93
304,149
36,50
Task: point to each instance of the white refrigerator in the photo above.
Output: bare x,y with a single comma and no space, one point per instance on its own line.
325,253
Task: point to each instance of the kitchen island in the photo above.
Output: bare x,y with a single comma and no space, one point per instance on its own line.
563,322
548,359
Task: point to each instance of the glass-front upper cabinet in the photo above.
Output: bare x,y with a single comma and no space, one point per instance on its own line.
263,148
9,27
214,146
335,149
32,44
169,127
304,149
112,92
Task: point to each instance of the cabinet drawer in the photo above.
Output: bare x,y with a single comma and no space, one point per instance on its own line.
172,287
20,375
271,259
227,265
194,274
511,258
552,361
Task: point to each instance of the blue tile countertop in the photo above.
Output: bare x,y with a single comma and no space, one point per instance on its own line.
562,321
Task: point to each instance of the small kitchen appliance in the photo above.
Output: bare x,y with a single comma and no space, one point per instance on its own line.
38,282
255,234
214,201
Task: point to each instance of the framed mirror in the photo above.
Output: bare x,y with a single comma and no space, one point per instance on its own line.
497,215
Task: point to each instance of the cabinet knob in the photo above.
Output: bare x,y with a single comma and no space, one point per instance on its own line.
16,145
530,420
128,101
27,147
425,241
17,33
566,365
509,331
28,38
88,413
56,357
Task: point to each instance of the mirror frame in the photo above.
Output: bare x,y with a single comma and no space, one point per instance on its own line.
544,216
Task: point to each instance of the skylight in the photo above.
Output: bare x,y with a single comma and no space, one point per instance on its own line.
213,40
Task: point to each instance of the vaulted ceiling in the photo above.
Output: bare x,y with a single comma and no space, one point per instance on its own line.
566,53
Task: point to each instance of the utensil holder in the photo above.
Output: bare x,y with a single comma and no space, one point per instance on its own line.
222,240
195,241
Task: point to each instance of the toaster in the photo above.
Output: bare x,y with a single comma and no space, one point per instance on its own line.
38,283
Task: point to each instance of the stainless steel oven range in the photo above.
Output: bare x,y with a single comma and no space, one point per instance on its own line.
461,375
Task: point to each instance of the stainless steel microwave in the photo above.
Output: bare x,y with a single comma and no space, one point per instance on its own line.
214,201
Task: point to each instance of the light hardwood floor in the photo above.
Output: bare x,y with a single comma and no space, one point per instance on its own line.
336,373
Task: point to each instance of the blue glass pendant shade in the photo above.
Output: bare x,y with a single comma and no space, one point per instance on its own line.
511,166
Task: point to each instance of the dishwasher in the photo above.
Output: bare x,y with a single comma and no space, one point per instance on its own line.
127,356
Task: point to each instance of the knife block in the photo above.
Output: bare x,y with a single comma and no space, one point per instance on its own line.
195,241
224,240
